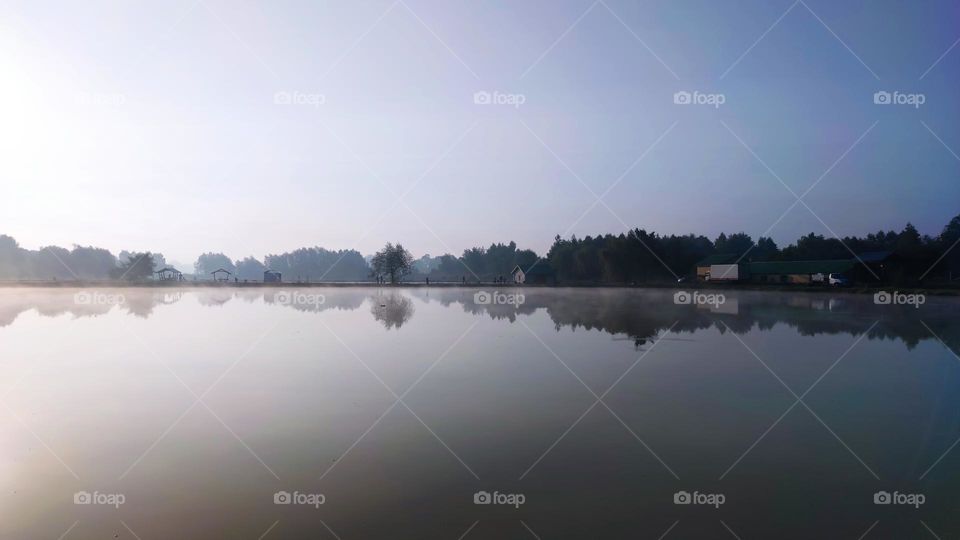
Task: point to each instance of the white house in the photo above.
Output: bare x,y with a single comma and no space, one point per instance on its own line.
518,275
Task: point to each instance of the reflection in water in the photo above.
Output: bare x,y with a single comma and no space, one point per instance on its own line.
635,315
392,309
308,399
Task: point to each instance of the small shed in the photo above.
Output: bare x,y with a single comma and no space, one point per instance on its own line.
169,274
221,274
518,274
541,273
272,276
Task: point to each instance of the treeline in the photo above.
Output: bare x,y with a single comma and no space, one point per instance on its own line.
643,257
638,256
304,264
57,263
485,264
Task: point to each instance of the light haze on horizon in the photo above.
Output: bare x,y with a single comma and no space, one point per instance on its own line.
153,126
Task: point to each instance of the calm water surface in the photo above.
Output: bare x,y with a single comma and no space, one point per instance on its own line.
395,407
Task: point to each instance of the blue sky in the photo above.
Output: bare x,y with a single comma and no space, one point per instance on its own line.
156,125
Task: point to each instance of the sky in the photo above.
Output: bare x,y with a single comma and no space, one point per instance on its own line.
253,128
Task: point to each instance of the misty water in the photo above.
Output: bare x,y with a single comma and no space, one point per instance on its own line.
583,413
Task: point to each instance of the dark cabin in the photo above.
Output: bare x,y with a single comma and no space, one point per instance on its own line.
271,276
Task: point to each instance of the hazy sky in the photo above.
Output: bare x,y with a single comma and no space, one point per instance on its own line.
155,125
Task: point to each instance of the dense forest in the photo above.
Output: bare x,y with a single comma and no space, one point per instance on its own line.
637,256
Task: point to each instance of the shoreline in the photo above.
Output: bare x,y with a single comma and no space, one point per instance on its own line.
58,284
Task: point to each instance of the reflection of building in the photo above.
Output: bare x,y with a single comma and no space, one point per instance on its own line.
271,276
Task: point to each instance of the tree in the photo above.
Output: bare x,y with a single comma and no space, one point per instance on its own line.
317,263
392,261
949,246
138,267
208,262
449,266
737,243
12,258
250,268
950,233
765,249
91,262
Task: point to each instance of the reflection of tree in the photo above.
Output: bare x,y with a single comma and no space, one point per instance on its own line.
639,315
642,314
315,300
141,303
56,302
217,297
392,309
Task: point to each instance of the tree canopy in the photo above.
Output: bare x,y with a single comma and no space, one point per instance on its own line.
393,261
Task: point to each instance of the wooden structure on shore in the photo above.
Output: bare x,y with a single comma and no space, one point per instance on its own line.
272,276
221,275
169,274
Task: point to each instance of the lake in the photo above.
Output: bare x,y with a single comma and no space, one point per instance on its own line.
458,413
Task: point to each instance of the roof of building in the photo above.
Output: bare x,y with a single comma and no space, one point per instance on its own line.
168,269
719,258
271,272
221,270
801,267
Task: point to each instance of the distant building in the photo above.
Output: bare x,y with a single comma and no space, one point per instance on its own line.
271,276
797,272
169,274
864,268
703,267
541,273
221,275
